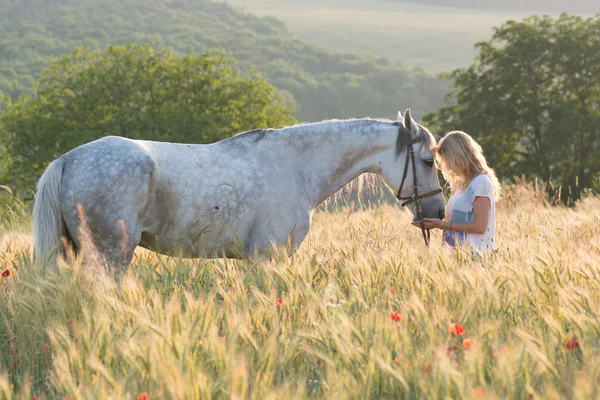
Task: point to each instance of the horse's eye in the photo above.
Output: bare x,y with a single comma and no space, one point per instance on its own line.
428,163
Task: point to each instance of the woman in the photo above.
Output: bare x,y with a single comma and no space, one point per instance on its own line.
470,217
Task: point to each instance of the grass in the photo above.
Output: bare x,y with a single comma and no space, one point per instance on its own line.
320,324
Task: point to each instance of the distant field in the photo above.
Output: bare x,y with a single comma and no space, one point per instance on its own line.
430,37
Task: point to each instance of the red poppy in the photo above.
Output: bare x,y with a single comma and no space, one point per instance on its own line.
396,316
46,349
456,330
572,343
279,302
468,343
478,393
144,396
6,273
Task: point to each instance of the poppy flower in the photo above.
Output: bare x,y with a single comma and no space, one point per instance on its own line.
478,393
12,350
279,302
427,368
6,273
396,316
456,330
468,343
144,396
46,349
572,343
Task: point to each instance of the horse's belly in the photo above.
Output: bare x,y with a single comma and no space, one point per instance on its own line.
200,238
188,250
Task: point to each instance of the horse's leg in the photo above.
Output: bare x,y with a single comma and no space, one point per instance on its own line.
112,239
118,246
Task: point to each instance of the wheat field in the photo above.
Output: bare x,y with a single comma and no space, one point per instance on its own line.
363,310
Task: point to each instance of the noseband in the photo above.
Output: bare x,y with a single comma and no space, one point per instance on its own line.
416,197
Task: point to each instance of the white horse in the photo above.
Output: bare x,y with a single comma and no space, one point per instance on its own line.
246,193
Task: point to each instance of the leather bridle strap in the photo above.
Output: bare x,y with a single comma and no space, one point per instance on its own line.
416,197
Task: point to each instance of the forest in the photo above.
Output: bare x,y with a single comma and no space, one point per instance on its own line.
317,82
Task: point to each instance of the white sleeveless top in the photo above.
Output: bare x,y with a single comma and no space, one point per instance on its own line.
460,208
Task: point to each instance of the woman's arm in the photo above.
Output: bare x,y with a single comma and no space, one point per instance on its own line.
481,215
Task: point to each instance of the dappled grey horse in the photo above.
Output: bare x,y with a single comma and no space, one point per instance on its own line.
241,195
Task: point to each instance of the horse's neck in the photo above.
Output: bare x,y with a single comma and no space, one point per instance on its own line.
334,153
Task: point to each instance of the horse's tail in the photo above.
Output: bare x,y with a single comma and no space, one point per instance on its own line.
48,223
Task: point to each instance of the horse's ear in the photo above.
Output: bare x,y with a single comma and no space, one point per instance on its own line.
399,117
409,122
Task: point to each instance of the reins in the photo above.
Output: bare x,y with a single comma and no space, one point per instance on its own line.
416,197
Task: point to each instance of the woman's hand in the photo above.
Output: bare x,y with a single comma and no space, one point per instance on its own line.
432,223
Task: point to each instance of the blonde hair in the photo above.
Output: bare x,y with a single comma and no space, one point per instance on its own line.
461,159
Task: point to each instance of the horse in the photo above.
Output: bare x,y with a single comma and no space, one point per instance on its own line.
234,198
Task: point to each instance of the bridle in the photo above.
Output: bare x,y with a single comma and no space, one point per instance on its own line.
416,197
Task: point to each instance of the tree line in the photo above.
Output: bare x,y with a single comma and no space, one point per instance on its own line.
532,98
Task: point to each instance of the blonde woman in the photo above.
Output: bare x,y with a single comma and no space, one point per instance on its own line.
470,212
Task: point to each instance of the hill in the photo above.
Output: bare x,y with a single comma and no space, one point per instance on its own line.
322,83
430,37
434,35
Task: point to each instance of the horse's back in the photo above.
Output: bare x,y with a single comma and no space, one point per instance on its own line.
112,160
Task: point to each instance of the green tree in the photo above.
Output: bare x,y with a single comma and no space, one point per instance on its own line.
532,99
135,92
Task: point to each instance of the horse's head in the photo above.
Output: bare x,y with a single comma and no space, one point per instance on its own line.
414,176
